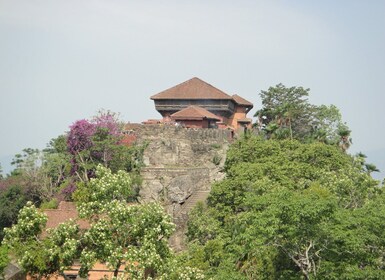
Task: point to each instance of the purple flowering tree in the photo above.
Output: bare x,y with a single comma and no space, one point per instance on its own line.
98,141
80,136
79,143
109,121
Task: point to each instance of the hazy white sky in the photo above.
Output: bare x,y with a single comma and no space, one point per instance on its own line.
62,60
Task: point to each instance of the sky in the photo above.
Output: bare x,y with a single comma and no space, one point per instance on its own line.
63,60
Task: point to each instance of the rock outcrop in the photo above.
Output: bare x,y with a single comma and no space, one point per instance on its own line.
181,164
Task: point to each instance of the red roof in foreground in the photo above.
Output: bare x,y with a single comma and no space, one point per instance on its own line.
65,212
194,113
194,88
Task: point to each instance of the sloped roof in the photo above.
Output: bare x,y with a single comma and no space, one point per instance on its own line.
241,101
194,113
65,212
194,88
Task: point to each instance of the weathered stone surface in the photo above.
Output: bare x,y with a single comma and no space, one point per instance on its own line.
180,189
181,165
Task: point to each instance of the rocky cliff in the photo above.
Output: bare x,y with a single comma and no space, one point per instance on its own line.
181,164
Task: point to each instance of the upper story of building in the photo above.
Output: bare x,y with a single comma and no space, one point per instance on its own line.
229,110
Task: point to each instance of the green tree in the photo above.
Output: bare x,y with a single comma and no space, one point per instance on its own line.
134,235
257,166
327,122
41,256
203,225
11,201
28,170
121,234
41,172
357,243
72,158
56,165
98,141
287,114
28,159
4,259
24,243
293,224
287,210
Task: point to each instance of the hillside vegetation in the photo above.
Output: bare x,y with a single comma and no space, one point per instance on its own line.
289,210
293,205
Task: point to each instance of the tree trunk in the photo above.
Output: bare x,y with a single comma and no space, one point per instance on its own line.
291,130
116,271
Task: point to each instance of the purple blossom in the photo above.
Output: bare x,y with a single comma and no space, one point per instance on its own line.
80,136
69,190
108,121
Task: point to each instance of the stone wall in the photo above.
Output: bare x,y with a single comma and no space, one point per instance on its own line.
176,146
181,164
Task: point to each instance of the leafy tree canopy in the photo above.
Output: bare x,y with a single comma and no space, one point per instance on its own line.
49,176
288,209
123,235
287,114
98,141
12,200
4,259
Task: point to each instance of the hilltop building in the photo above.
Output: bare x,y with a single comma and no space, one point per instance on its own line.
195,103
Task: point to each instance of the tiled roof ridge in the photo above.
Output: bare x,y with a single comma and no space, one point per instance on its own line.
201,113
186,92
215,88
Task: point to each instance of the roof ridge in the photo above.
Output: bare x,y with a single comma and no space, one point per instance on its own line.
194,88
211,86
200,111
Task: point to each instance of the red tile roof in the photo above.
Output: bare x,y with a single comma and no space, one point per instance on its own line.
65,212
194,88
67,205
194,113
241,101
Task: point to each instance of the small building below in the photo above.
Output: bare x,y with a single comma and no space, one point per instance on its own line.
195,117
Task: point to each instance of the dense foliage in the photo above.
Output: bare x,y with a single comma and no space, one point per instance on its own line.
293,204
287,114
131,239
99,142
4,259
288,209
49,176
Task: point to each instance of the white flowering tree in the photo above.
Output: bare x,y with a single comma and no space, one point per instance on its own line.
22,239
123,235
130,238
41,256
